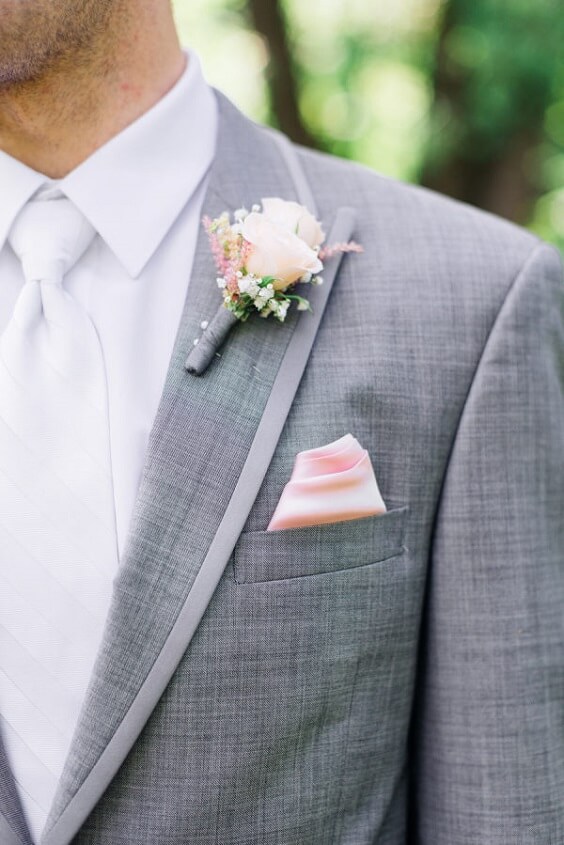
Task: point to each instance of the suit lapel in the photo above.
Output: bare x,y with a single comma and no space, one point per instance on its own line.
209,449
13,826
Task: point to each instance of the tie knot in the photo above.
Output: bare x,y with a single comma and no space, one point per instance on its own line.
49,236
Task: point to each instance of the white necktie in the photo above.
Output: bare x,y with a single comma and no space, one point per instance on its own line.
58,544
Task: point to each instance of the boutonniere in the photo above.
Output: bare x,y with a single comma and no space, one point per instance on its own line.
263,254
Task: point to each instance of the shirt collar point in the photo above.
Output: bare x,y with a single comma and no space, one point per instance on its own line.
134,261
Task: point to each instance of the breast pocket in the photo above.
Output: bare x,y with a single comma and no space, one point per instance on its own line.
262,556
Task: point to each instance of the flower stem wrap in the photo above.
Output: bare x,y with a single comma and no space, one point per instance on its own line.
202,354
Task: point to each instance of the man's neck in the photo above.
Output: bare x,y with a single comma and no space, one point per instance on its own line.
55,122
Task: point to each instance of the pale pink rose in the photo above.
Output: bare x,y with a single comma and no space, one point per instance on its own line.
277,252
296,218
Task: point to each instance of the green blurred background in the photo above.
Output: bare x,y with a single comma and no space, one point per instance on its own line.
464,96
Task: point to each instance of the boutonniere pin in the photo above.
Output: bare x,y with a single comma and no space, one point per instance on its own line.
263,254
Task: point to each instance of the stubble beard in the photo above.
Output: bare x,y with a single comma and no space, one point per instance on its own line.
37,36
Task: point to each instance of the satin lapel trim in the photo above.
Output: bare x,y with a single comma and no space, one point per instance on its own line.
209,449
204,584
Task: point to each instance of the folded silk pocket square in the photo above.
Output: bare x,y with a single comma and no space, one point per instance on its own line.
333,483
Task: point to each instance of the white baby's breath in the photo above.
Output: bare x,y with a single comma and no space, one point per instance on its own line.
263,253
283,310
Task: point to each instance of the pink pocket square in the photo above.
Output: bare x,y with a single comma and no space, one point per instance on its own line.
333,483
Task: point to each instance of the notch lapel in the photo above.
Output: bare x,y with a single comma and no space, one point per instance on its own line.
209,449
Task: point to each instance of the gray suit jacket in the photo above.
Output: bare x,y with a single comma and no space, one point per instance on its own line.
396,679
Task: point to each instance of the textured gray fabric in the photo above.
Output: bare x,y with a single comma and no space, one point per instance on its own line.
491,719
399,682
8,836
296,171
295,553
210,571
13,825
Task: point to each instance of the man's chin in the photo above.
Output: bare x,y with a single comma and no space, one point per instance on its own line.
15,72
37,36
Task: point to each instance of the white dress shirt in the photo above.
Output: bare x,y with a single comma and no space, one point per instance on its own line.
143,193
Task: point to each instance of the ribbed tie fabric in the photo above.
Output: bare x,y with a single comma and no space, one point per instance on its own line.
58,543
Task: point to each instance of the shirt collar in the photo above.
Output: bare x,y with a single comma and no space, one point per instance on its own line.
133,188
17,184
